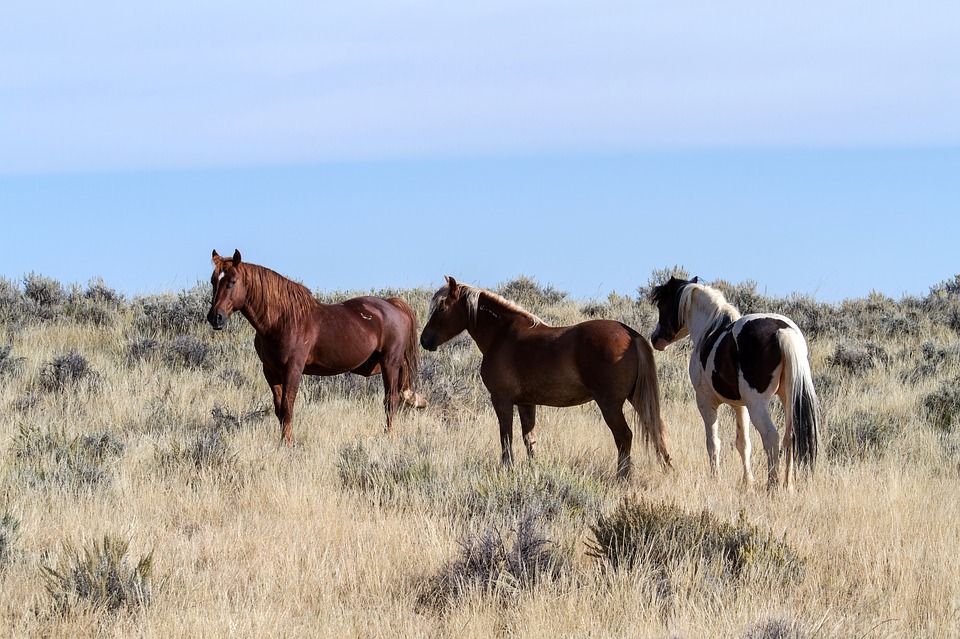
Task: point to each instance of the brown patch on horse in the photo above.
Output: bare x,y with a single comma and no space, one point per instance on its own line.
725,376
761,350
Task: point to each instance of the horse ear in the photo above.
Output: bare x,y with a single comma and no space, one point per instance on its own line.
216,258
236,257
695,280
453,287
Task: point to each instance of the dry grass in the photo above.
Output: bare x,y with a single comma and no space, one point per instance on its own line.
353,533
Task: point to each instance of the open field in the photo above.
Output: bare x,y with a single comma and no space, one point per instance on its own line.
131,420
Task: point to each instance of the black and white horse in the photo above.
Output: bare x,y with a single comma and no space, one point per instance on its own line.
743,362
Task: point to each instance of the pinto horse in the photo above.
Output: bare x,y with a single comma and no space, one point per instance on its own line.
527,363
296,334
743,361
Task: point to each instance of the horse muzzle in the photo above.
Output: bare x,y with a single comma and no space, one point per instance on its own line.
217,319
428,342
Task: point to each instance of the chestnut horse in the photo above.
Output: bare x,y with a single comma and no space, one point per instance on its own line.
743,361
527,363
296,334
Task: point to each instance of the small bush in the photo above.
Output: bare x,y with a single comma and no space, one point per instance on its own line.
70,371
9,536
529,293
43,291
10,366
863,435
187,351
143,349
230,422
856,358
51,460
662,536
101,576
499,563
942,407
173,314
776,629
552,491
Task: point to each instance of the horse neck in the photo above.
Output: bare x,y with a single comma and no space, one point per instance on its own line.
494,320
706,314
261,307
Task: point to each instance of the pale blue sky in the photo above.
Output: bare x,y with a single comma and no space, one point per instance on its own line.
813,147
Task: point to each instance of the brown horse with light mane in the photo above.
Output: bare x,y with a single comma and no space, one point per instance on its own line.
527,363
296,334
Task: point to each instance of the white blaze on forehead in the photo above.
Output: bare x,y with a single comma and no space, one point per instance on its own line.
221,276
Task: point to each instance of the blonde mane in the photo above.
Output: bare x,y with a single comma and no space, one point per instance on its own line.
471,297
711,306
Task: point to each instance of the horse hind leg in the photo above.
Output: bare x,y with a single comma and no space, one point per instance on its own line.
528,422
391,391
760,416
612,412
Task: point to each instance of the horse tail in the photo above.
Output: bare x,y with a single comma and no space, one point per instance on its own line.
804,408
410,370
646,401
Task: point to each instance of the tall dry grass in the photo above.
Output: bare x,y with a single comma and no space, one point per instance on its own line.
127,420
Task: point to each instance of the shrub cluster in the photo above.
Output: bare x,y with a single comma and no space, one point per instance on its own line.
499,562
70,371
942,406
661,536
51,460
101,576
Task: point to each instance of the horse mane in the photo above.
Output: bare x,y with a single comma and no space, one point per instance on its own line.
471,297
711,303
280,300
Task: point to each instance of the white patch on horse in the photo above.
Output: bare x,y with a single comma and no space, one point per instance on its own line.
365,316
220,277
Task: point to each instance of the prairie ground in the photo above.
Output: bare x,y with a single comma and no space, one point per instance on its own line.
143,492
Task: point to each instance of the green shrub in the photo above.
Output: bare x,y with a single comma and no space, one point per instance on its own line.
498,562
173,314
942,406
857,358
529,293
10,366
9,536
70,371
101,576
50,460
776,629
659,537
863,435
552,491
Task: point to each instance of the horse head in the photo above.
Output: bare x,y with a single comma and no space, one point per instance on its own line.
447,316
229,293
670,326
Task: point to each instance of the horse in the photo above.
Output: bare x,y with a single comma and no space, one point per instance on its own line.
743,361
527,363
298,335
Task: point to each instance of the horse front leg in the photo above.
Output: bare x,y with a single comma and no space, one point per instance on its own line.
528,421
291,386
708,411
504,410
743,443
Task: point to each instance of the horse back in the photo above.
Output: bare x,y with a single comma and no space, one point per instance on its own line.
564,366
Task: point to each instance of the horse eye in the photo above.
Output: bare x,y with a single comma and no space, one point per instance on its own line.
231,284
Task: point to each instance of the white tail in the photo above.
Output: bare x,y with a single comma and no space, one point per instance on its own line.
803,412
